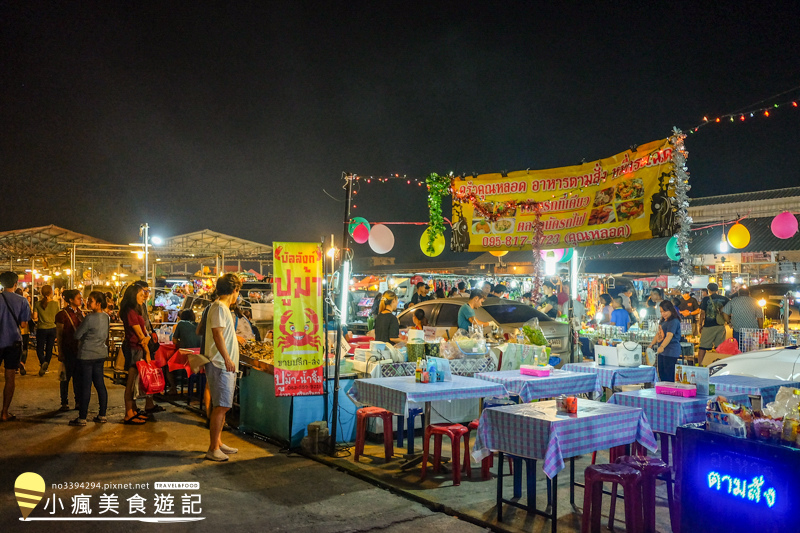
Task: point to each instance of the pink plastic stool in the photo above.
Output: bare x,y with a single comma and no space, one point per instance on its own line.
629,478
361,430
455,432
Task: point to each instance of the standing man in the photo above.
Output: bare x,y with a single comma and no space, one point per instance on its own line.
712,321
487,289
689,308
743,312
67,322
498,291
466,315
420,295
462,290
222,349
549,304
14,310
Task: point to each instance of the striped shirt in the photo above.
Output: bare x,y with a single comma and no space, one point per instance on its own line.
744,312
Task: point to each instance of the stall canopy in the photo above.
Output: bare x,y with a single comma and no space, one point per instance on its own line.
43,241
207,242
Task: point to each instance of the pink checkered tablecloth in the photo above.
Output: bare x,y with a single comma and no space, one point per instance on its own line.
615,376
766,388
533,388
664,412
394,394
537,431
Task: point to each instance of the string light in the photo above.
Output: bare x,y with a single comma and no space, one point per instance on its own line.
761,107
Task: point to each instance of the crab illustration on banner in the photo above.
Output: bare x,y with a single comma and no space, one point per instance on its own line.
298,308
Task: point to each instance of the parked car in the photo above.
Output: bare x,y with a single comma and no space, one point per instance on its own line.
510,315
772,363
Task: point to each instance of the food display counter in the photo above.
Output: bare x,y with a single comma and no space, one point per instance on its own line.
285,418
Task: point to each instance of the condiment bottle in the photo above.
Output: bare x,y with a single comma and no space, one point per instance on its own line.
418,372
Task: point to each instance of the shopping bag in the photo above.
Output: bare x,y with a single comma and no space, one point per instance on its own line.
151,377
651,357
729,347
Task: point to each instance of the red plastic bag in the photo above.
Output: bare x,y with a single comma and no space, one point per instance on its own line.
729,347
151,377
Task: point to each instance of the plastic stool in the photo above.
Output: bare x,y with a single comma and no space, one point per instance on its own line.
455,432
412,413
361,430
651,468
629,478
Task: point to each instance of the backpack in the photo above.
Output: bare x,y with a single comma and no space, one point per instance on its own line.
714,311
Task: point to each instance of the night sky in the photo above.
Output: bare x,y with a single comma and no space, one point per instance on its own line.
238,117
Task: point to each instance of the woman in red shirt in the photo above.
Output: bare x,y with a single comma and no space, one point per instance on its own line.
135,348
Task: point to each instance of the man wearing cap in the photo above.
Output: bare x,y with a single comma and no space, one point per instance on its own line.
712,333
420,295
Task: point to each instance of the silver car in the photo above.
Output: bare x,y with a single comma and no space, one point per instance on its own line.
510,315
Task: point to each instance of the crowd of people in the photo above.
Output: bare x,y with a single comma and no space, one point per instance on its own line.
77,332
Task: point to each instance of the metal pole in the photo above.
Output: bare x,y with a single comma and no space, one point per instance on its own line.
325,329
344,285
786,310
73,265
146,247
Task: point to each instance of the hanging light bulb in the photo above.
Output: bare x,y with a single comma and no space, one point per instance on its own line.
723,244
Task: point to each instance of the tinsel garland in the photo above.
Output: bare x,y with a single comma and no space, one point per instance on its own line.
438,187
679,180
536,245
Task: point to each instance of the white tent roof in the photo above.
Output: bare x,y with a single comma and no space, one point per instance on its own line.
207,242
42,241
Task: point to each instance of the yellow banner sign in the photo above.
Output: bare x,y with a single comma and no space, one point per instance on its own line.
622,198
298,318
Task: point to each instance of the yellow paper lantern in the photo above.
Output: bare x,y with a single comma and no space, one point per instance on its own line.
738,236
438,244
499,254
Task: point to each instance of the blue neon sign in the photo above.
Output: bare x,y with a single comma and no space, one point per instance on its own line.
739,487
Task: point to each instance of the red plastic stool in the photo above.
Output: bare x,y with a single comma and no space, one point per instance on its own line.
361,430
455,432
629,478
651,468
487,463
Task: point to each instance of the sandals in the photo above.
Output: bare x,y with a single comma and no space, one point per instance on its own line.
100,419
10,418
135,420
155,409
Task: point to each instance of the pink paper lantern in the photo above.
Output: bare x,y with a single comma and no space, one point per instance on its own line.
784,226
559,253
361,234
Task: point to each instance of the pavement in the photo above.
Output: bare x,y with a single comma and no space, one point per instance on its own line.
261,488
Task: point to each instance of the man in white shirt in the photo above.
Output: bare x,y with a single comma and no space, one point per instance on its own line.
222,348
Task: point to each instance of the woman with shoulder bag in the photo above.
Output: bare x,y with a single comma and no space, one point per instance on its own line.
135,348
93,351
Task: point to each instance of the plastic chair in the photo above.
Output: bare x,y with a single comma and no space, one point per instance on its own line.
651,468
629,478
487,461
361,430
410,429
437,431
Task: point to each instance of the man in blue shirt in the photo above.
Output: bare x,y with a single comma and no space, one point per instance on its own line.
466,315
620,316
14,310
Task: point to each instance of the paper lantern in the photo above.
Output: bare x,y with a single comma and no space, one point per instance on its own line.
354,223
381,239
498,253
784,226
361,234
556,256
438,244
567,255
738,236
673,252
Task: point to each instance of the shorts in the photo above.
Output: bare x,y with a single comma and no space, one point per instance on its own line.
221,384
711,337
132,355
10,356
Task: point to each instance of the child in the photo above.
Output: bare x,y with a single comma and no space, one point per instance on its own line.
619,316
